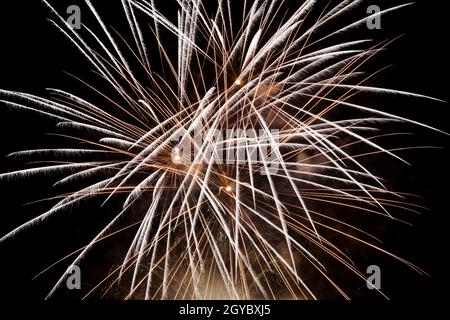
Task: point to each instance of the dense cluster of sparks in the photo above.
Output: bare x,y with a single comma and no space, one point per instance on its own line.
224,229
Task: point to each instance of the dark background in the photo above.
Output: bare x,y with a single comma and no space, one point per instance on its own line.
34,56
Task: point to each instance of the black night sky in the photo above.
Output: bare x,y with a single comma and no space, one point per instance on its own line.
35,56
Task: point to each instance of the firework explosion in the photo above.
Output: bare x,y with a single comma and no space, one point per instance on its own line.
230,144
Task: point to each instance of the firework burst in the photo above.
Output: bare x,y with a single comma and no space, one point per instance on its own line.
230,136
